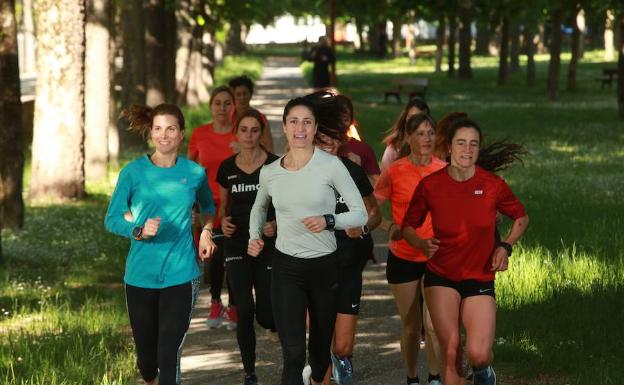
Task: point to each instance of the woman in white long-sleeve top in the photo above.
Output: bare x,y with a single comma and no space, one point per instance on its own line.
302,186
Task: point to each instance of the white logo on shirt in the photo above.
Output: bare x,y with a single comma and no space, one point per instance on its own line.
481,291
241,187
478,192
354,305
232,176
183,180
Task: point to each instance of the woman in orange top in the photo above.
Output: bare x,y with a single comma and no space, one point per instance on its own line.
406,265
209,145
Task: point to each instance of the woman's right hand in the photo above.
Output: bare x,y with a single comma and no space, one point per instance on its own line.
430,246
150,228
227,226
254,247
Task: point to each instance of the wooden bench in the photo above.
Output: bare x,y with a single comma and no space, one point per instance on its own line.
608,76
411,86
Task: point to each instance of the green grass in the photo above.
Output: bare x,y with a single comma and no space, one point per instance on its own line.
63,316
559,306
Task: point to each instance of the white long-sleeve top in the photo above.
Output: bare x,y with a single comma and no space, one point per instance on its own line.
309,191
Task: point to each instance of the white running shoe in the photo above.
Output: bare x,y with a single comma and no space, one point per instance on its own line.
306,374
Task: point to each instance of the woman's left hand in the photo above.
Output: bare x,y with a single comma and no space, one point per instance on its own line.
315,224
206,246
500,259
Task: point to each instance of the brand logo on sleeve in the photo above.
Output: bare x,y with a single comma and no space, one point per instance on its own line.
478,192
183,180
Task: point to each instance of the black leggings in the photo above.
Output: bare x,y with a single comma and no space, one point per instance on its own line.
216,272
159,319
301,284
245,274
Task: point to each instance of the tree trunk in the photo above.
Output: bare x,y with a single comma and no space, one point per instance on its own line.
114,50
503,64
482,43
194,61
465,40
360,34
440,34
155,58
514,46
28,30
554,66
410,42
396,36
575,49
530,39
11,130
133,32
609,36
171,46
97,89
620,76
234,43
57,149
451,43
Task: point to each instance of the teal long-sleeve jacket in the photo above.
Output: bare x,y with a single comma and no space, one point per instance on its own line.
148,191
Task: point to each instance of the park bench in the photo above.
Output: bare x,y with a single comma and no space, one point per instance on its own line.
411,86
608,76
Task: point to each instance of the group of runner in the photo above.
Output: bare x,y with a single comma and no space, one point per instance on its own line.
296,234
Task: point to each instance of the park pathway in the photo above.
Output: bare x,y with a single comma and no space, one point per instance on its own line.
211,357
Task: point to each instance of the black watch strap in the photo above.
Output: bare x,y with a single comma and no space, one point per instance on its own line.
137,232
507,247
330,221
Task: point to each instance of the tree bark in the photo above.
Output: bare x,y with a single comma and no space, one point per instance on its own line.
58,141
465,40
609,35
28,30
360,34
482,41
97,89
234,43
503,64
554,65
133,84
451,43
396,36
514,46
440,35
11,130
171,46
575,49
115,78
154,52
620,77
530,39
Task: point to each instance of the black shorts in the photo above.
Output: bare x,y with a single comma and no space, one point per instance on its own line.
399,270
352,257
467,288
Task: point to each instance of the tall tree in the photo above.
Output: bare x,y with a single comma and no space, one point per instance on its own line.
554,65
530,38
97,89
397,21
576,46
155,36
171,47
465,39
440,39
11,131
452,17
57,148
482,40
514,44
503,55
620,77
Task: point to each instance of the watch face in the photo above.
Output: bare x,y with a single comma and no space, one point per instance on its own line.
136,232
365,229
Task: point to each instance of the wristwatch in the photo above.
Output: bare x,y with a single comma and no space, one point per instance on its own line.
365,230
136,233
330,221
507,247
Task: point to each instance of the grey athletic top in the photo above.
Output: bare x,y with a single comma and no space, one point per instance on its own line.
307,192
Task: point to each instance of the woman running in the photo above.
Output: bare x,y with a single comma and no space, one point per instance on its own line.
209,145
243,88
395,137
462,200
301,186
151,205
406,265
355,245
238,179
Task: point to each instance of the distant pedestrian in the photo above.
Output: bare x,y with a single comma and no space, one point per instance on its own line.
323,57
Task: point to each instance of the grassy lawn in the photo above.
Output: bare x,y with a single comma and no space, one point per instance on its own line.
63,316
560,312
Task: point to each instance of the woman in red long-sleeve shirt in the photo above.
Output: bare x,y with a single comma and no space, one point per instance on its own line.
464,256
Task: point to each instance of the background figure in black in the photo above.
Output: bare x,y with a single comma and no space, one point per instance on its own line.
322,55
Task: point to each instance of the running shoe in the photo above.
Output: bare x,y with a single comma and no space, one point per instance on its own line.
484,376
232,316
306,374
342,370
250,379
435,382
215,317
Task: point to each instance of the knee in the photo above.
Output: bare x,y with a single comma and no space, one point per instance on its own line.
479,357
410,333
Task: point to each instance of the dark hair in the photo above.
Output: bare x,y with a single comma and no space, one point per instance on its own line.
243,80
329,108
346,106
411,126
141,118
495,157
441,145
218,90
395,135
298,101
251,113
